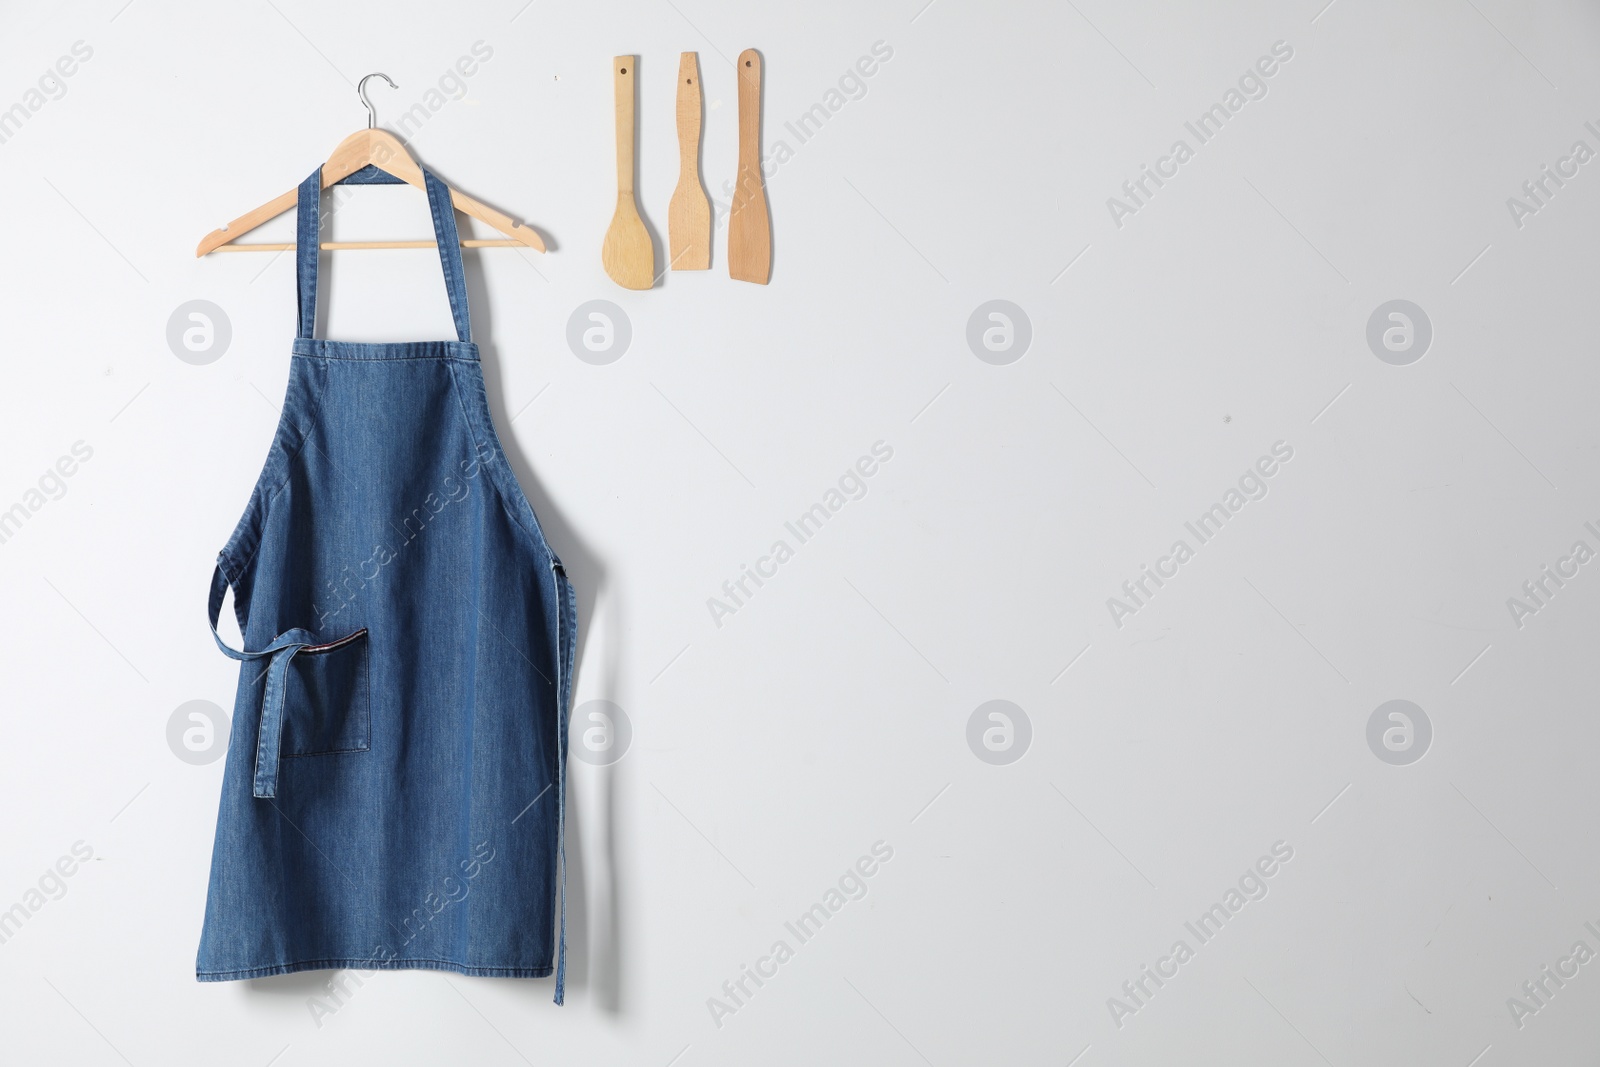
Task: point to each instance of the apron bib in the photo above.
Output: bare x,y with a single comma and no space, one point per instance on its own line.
394,792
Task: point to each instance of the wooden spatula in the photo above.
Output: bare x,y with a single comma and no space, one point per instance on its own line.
628,253
689,214
749,232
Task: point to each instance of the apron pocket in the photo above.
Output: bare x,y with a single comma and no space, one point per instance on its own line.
327,705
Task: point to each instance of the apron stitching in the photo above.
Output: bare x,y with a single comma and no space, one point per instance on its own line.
383,963
389,359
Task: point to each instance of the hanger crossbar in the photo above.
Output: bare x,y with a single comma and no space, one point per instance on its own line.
335,246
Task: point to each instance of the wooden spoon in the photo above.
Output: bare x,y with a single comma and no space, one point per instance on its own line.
689,213
749,231
628,253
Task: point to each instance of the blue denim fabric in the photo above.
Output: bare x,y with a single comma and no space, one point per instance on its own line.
394,793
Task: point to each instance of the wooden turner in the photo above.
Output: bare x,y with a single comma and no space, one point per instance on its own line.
689,213
628,253
749,232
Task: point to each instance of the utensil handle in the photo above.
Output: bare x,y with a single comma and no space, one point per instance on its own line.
689,114
749,116
624,75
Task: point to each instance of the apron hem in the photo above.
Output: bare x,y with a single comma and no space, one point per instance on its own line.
373,965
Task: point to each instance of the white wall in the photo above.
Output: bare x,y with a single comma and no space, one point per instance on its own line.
1168,750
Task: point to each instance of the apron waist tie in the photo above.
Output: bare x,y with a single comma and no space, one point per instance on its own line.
279,651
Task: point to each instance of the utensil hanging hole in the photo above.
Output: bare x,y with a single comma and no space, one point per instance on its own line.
624,70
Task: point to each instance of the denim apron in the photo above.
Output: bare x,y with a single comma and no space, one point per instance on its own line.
394,792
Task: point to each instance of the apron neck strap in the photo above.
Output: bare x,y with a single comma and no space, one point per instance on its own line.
308,246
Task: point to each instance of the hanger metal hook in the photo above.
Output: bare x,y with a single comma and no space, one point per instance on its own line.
361,91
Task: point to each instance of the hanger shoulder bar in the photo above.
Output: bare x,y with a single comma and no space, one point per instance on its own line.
247,222
523,235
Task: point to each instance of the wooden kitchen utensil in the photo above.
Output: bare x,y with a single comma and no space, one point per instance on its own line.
628,253
749,231
689,214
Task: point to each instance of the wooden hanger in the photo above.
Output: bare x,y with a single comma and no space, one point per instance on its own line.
381,149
